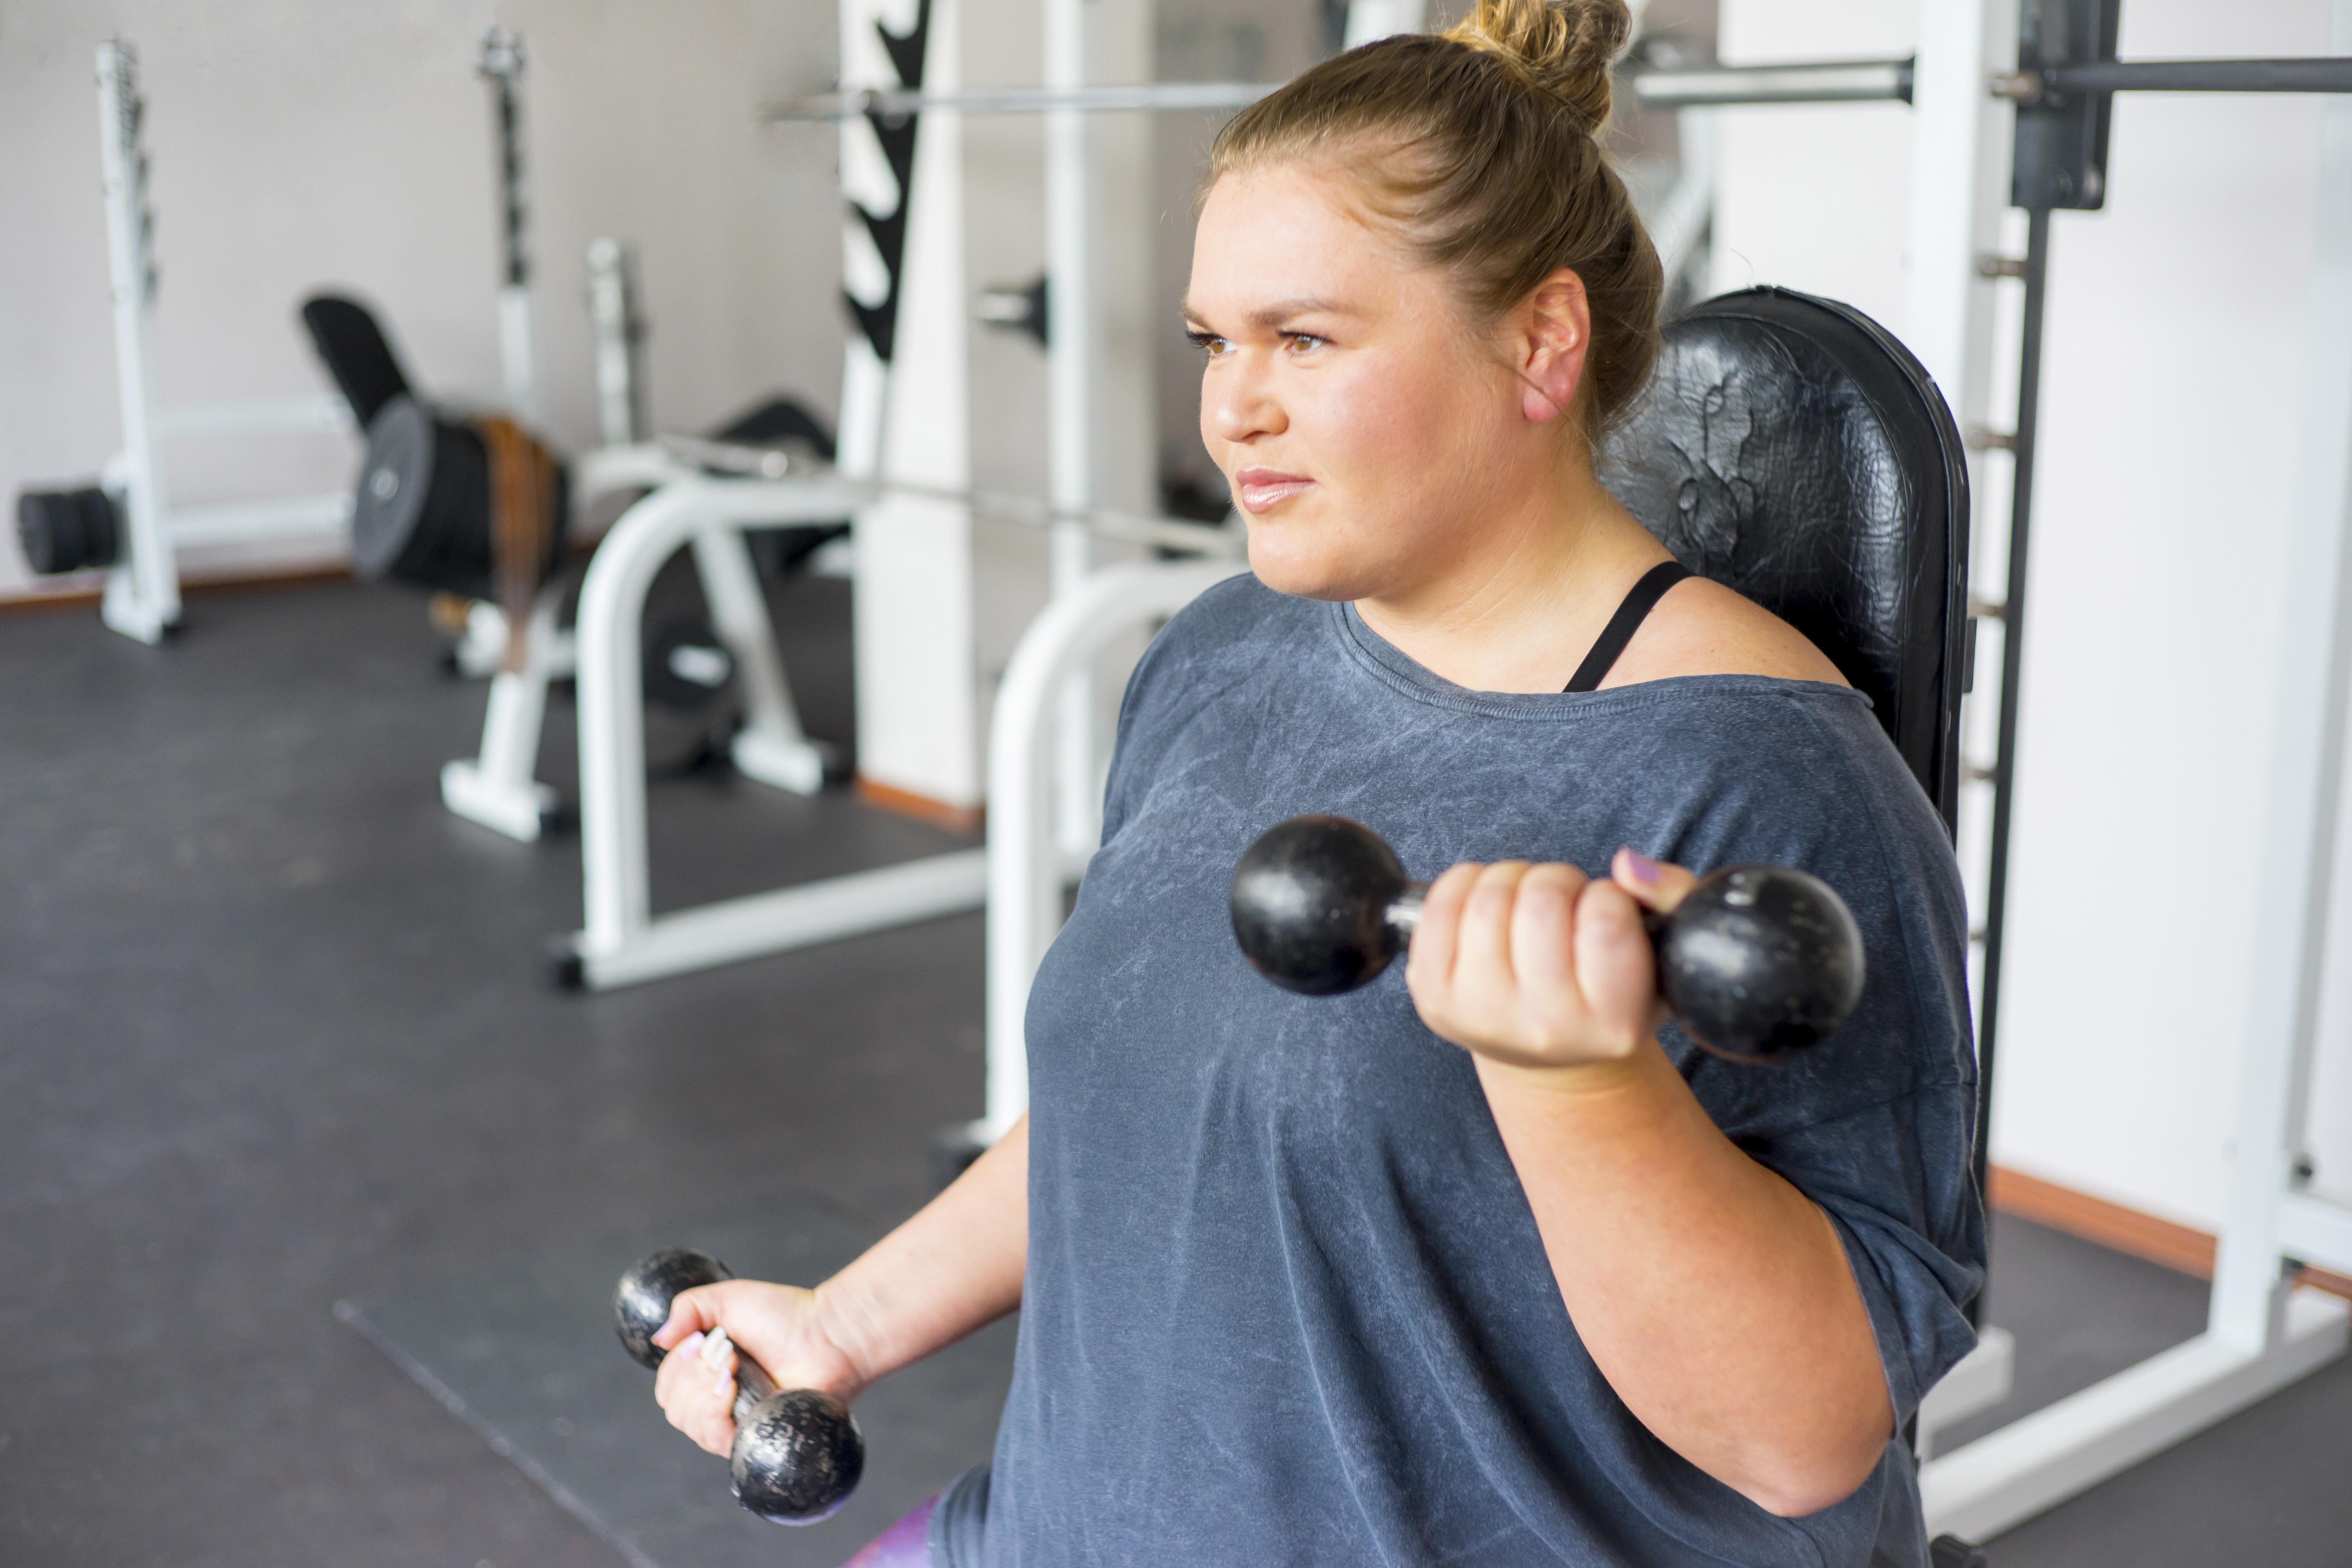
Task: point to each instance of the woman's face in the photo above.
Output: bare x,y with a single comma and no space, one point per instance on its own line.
1371,438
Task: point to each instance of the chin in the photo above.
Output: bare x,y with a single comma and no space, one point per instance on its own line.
1309,573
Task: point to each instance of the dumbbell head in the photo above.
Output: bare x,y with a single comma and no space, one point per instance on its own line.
1756,962
798,1453
640,1300
798,1456
1310,904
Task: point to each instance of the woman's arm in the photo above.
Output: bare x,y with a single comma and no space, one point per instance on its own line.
955,1266
1714,1296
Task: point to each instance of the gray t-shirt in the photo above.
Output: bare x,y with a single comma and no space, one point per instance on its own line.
1286,1301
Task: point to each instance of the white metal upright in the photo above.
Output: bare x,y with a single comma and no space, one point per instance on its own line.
2262,1333
1026,861
621,941
501,64
143,592
1074,341
143,588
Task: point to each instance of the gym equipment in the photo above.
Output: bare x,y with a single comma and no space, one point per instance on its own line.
798,1454
500,65
138,532
426,514
620,342
2263,1334
426,510
67,530
1757,961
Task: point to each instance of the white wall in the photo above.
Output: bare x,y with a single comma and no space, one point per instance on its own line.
300,144
2173,357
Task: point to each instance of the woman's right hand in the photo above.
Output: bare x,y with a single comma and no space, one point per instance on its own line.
781,1327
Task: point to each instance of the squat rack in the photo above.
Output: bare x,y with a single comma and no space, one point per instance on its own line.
2262,1333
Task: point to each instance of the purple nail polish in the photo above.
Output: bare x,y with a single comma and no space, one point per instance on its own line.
1645,869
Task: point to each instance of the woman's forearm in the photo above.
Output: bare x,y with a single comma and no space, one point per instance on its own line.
954,1266
1714,1296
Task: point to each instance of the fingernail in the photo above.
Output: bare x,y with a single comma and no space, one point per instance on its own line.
1644,868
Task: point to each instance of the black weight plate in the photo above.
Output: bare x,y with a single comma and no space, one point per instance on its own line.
67,531
395,480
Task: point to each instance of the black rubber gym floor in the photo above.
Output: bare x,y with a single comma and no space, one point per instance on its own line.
275,1037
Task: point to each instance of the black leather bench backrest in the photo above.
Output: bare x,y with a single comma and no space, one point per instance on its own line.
1792,449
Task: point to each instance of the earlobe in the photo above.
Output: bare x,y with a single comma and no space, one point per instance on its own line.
1557,325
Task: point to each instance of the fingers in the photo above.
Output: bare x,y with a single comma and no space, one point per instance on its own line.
1429,962
1535,964
1543,924
1482,948
1615,966
1653,884
696,1387
695,1311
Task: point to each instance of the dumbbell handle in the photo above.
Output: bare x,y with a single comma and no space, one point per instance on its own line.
1403,914
752,1383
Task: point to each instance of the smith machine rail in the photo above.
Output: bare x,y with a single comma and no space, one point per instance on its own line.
2262,1333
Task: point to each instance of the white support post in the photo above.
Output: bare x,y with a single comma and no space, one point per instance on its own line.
621,942
770,747
501,64
908,421
1960,186
1025,860
2261,1334
620,331
1074,337
1370,20
515,352
2298,842
142,590
499,788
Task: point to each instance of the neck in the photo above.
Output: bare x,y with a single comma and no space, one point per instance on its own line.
1519,609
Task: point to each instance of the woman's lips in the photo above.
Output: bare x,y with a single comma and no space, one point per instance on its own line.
1260,489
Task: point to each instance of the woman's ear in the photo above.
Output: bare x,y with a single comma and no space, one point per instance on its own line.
1552,328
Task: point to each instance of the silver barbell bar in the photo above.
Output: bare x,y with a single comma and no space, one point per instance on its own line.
1136,528
1837,81
898,101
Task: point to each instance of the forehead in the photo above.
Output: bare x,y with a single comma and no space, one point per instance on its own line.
1287,231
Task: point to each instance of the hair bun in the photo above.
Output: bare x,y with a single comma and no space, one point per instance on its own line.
1563,47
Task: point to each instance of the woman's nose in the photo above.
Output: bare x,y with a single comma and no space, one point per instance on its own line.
1238,400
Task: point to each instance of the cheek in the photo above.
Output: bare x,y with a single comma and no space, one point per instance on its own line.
1388,431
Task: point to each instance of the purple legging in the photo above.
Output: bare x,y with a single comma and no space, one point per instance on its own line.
906,1545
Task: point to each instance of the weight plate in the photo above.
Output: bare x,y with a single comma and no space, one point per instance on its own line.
395,479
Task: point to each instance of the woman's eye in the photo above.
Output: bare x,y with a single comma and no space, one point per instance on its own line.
1208,343
1304,341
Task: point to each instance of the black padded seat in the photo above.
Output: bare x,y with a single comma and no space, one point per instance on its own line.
1790,449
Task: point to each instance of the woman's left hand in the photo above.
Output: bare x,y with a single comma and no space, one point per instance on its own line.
1541,966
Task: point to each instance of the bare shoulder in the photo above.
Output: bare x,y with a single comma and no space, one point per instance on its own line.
1705,628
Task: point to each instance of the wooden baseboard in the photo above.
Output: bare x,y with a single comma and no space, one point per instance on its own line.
194,588
922,807
2180,1247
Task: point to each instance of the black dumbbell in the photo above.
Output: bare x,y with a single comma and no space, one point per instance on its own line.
798,1453
1756,962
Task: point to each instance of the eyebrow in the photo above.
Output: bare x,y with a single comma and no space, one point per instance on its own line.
1281,310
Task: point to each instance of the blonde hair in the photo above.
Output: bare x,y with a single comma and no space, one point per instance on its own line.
1480,147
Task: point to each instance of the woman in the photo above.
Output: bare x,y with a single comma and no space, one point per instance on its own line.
1483,1267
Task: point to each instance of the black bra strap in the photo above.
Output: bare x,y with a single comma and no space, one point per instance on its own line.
1639,602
